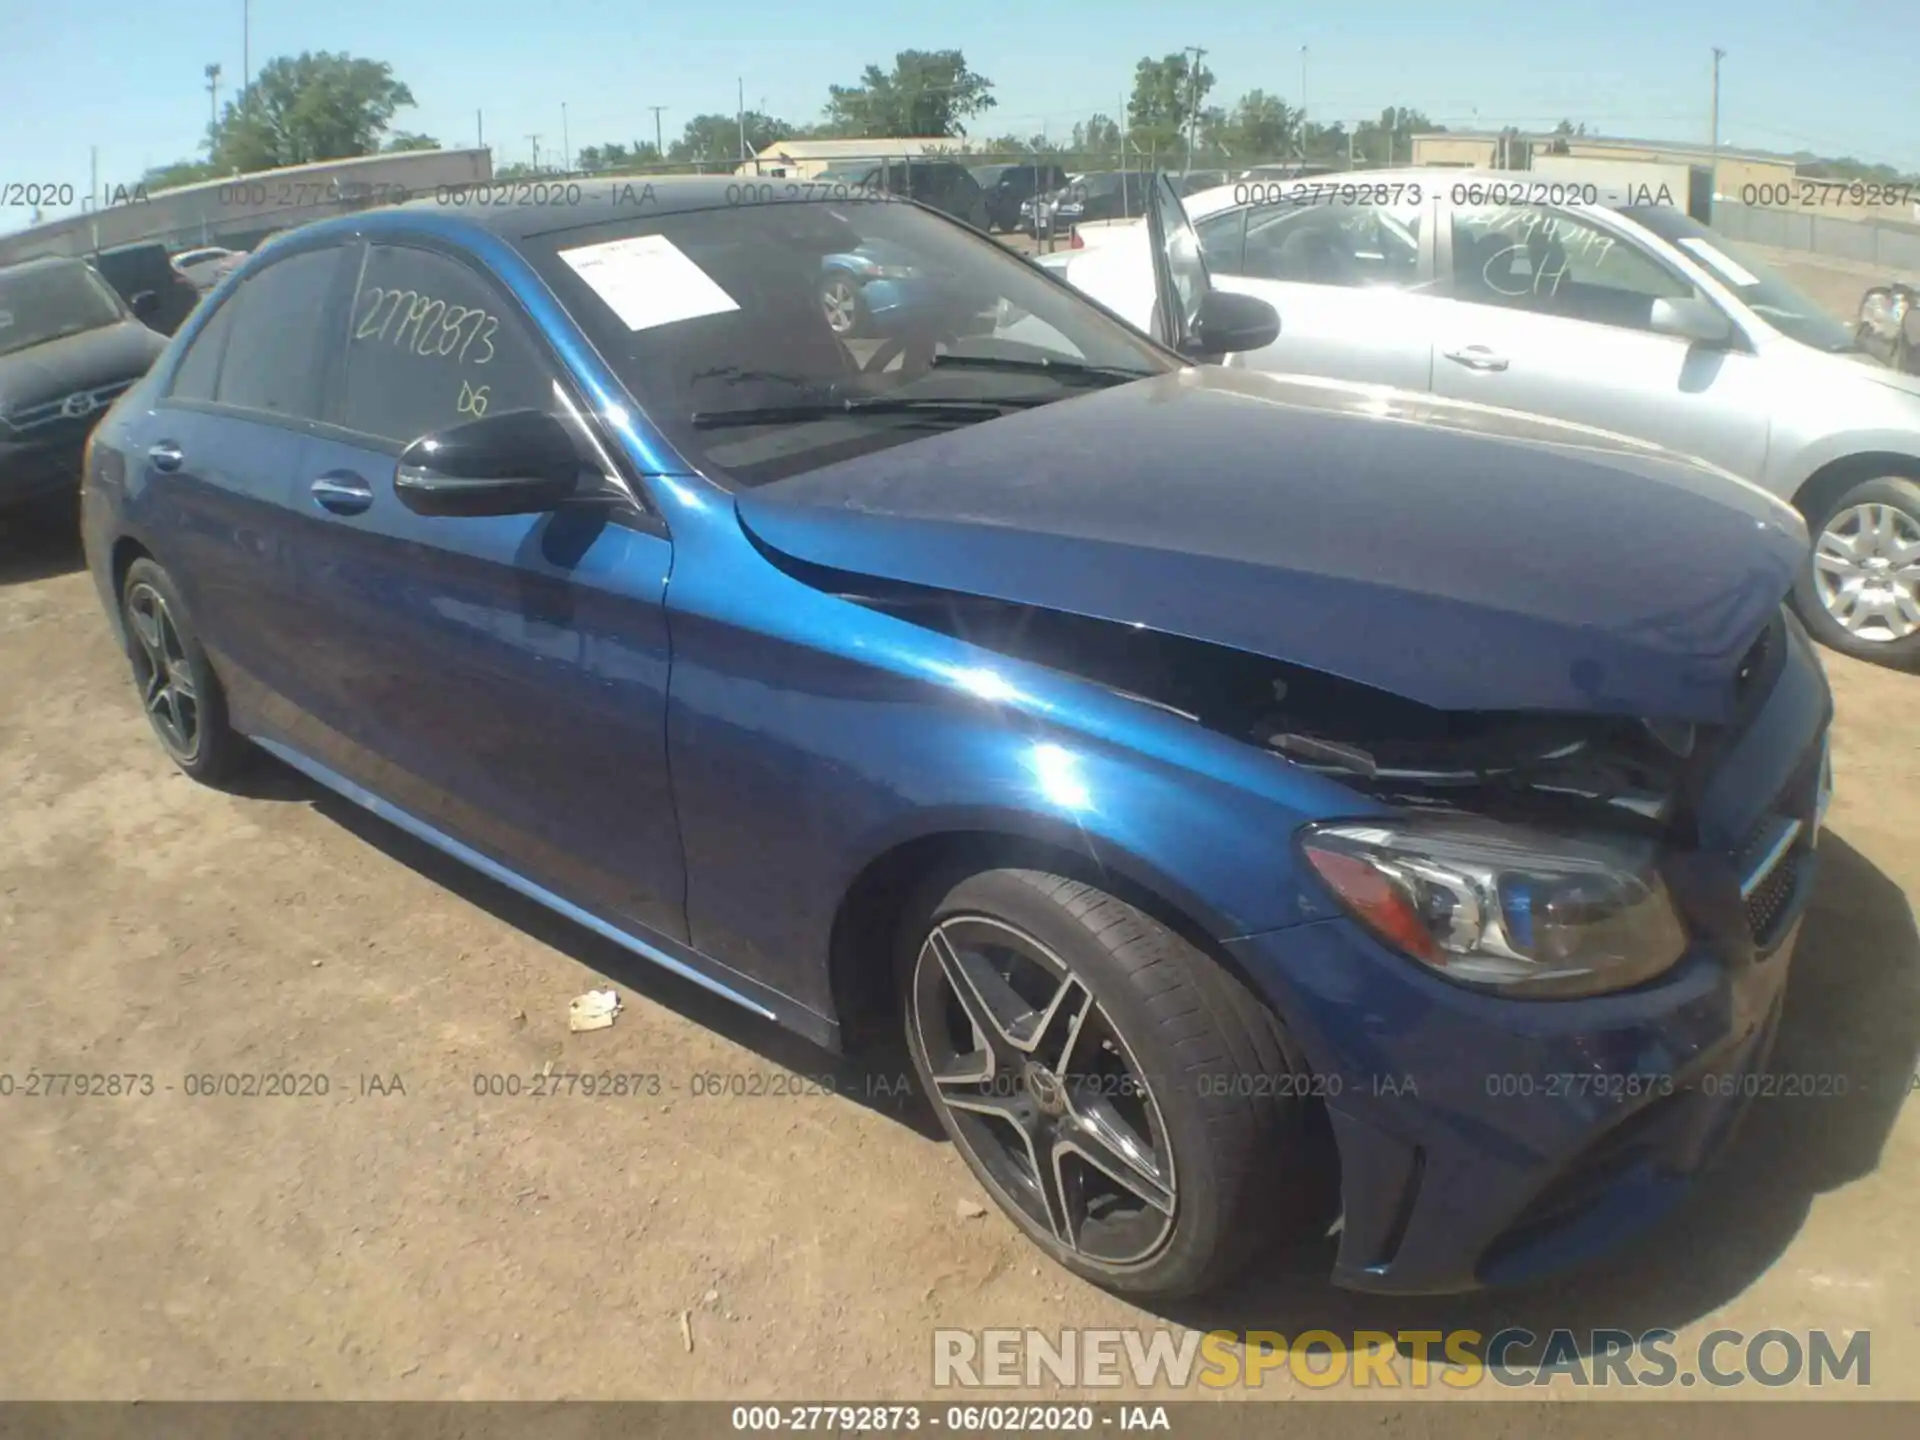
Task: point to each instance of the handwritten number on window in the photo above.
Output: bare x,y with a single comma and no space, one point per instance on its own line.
473,399
430,326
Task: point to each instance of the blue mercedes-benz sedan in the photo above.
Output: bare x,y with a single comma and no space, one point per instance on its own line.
1260,803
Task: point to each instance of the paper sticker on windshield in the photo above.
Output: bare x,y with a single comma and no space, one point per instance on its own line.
648,281
1716,259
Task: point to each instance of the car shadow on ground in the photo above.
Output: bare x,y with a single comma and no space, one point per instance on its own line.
879,1077
36,546
1852,1011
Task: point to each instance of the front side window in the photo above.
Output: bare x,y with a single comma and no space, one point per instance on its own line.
1750,277
1185,264
277,352
431,344
51,302
1531,257
717,322
197,377
1223,241
1333,243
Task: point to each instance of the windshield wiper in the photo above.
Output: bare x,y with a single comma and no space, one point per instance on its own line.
955,409
1063,369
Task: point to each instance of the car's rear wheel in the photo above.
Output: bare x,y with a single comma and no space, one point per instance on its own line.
178,689
1860,591
840,302
1121,1096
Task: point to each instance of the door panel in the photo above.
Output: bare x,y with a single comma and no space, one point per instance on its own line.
501,678
1550,313
219,453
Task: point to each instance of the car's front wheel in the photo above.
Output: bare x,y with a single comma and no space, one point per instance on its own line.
178,689
1125,1099
840,302
1860,592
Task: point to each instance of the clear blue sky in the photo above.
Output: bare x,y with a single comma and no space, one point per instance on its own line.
1836,76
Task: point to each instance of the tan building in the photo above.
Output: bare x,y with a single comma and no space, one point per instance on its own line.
1463,149
804,159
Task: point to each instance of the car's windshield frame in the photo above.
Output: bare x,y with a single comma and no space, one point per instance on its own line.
113,310
1110,350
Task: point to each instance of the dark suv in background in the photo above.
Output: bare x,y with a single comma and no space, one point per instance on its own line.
1007,186
942,184
68,347
146,278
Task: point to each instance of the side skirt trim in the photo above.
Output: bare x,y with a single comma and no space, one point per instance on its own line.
493,870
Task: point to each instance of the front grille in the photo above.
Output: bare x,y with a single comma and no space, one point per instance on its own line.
40,421
1767,903
1769,862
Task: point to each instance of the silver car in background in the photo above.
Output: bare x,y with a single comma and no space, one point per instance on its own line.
1609,309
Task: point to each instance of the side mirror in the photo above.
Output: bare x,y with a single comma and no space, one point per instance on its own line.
1230,323
145,304
519,462
1697,321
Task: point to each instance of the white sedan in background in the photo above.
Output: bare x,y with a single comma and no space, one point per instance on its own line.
1607,309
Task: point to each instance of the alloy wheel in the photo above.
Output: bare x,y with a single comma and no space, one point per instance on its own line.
1867,569
161,670
1042,1091
842,305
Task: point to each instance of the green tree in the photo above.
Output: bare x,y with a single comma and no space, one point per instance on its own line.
405,140
314,106
928,93
1165,93
716,138
1258,127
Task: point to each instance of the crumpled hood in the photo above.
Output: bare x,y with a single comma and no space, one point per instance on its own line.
1460,556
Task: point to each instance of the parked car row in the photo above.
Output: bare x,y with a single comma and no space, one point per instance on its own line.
1169,752
1621,315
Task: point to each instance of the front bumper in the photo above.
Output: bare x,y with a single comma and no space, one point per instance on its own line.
32,469
1489,1141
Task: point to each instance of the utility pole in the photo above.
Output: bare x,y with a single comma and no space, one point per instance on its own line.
213,101
1303,102
1193,100
740,109
566,143
658,143
479,130
246,47
1718,56
535,139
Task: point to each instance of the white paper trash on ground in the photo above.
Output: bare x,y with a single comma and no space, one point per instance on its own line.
593,1011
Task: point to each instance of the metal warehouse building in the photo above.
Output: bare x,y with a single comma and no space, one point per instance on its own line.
241,211
1733,170
804,159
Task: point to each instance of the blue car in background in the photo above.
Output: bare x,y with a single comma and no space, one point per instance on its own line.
1255,802
873,290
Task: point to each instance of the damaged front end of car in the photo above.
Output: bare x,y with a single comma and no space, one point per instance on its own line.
1530,854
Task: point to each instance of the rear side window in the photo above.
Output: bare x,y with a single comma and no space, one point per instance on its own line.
198,374
277,348
431,344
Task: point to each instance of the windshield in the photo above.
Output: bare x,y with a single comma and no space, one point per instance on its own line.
1748,276
49,302
771,339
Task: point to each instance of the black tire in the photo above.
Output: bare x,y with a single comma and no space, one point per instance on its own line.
840,294
1221,1117
1896,504
190,720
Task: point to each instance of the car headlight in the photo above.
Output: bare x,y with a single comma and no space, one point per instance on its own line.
1519,911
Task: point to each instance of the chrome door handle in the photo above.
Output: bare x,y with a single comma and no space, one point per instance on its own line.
1477,357
342,494
166,456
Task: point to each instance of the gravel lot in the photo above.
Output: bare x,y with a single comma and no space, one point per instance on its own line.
402,1236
